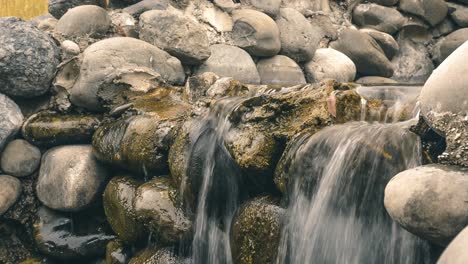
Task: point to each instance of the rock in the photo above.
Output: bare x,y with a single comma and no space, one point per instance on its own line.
70,48
226,86
305,6
79,236
156,206
444,104
385,2
433,11
378,17
280,70
257,231
20,158
429,201
58,8
51,129
269,7
230,61
365,52
375,80
124,24
157,256
456,252
142,6
255,32
123,3
444,28
196,86
176,33
82,21
28,59
445,46
70,178
48,25
9,193
330,64
299,39
11,120
459,14
412,64
15,246
219,20
118,199
416,30
226,5
117,253
138,65
385,41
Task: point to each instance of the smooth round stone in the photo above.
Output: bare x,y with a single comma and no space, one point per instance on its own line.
269,7
433,11
385,41
58,8
445,46
9,192
11,120
70,178
70,48
412,64
28,59
20,158
86,20
280,70
378,17
330,64
146,5
456,252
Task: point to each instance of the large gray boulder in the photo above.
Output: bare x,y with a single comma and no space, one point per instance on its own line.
256,32
430,201
176,33
299,39
11,120
378,17
433,11
365,52
58,8
230,61
269,7
388,44
82,21
28,59
20,158
9,193
445,46
116,60
280,70
70,178
330,64
412,64
456,252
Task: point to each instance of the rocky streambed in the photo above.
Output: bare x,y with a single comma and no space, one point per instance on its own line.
235,132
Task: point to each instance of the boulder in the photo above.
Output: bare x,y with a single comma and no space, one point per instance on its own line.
70,178
412,64
28,59
20,158
176,33
82,21
385,2
11,120
9,193
445,46
378,17
444,28
385,41
429,201
456,252
269,7
255,32
330,64
280,70
58,8
459,14
433,11
230,61
142,6
157,256
299,39
117,252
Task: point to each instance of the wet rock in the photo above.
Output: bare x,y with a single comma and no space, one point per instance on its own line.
445,46
70,178
77,236
86,20
52,129
117,253
270,7
256,32
412,64
124,63
299,39
459,14
280,70
156,206
429,201
385,41
433,11
15,246
9,193
11,120
118,205
124,24
20,158
28,59
257,231
142,6
230,61
375,80
176,33
196,86
157,256
330,64
456,252
58,8
378,17
365,52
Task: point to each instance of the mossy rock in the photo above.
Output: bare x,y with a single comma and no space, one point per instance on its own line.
117,253
157,256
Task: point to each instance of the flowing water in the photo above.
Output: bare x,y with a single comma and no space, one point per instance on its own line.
25,9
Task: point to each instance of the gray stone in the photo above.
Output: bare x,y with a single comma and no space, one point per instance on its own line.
230,61
280,70
157,256
330,64
82,21
137,9
306,6
124,24
412,64
20,158
385,2
255,32
459,14
433,11
58,8
70,49
445,46
415,29
9,193
11,120
430,201
375,80
70,178
28,59
48,25
456,252
444,28
299,39
219,20
123,3
365,52
385,41
378,17
196,86
269,7
114,60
